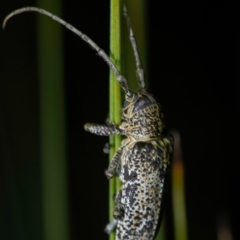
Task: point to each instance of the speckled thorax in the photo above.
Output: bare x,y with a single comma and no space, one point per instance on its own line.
142,119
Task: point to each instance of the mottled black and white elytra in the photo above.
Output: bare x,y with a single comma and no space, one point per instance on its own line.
144,157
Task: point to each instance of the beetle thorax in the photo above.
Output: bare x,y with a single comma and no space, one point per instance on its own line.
142,118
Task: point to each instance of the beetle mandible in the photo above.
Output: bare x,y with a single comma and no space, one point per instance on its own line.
144,156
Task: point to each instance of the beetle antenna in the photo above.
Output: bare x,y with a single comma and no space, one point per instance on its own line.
139,70
120,78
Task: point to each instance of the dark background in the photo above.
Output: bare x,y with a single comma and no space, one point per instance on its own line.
193,65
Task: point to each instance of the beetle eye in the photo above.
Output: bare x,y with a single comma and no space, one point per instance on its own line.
125,103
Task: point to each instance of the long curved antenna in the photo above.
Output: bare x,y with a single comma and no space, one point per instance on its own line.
121,79
139,70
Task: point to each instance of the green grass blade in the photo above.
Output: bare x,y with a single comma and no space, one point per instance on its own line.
52,132
115,93
116,55
178,192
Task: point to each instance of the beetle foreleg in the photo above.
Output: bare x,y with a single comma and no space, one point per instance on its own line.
102,130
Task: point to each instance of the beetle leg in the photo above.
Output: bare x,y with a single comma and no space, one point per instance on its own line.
109,122
102,130
111,226
114,164
118,212
106,148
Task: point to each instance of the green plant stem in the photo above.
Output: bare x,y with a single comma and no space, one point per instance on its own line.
52,124
115,90
178,192
115,94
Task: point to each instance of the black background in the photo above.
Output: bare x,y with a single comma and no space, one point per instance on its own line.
193,65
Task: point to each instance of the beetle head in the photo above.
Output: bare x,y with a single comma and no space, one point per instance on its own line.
141,116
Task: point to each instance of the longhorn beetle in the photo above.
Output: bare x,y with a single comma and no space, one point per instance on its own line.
144,156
